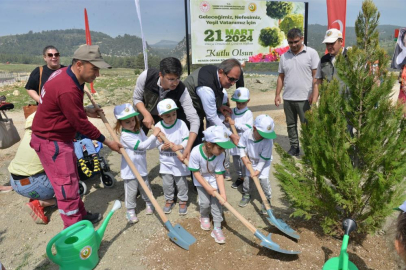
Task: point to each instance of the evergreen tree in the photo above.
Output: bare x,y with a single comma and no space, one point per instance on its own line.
360,176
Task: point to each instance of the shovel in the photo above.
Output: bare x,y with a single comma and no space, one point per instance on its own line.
278,223
342,262
177,234
265,241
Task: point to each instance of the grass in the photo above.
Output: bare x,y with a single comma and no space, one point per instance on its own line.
113,87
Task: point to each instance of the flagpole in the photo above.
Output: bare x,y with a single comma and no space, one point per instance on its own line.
187,39
306,21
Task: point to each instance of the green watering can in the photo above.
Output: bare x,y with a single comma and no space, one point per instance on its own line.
77,246
342,262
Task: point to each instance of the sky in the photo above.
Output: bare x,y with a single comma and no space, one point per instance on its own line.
161,19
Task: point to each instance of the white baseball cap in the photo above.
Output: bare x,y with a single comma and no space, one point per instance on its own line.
219,136
332,35
241,94
166,105
265,126
402,207
124,111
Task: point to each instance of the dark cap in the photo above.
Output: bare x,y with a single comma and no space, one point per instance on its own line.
91,53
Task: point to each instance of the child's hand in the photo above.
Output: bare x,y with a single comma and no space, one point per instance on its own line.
166,146
256,173
175,147
211,191
156,131
224,196
230,121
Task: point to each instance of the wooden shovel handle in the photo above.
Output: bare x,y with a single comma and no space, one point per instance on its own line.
215,193
257,184
129,162
233,129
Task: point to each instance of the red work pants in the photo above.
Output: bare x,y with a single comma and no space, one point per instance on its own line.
59,161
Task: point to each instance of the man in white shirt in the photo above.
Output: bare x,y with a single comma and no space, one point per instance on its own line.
205,86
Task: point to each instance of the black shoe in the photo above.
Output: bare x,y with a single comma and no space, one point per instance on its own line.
294,151
93,218
237,182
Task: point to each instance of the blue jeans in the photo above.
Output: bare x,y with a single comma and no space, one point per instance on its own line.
39,188
79,147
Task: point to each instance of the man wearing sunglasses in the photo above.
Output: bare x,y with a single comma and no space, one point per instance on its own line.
205,86
297,69
59,116
40,75
155,85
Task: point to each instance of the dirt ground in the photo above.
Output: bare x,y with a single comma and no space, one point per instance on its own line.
145,245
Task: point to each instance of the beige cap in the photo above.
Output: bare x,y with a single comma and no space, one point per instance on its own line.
91,53
332,35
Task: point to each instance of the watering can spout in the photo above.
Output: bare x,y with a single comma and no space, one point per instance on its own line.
102,229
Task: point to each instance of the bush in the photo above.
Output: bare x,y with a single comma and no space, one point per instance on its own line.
359,176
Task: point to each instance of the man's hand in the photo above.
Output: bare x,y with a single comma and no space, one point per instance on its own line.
310,98
225,110
93,112
113,145
148,120
235,138
186,154
278,100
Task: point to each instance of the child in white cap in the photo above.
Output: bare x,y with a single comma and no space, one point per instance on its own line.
400,238
207,165
227,175
256,147
242,119
135,143
172,170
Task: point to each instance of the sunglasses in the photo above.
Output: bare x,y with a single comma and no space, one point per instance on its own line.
293,42
54,54
231,79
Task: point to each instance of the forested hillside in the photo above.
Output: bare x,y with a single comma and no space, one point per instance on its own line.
126,51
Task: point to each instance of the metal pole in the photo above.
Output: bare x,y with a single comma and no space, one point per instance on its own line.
306,21
187,39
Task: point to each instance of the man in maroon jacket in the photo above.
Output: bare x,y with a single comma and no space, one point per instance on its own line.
59,115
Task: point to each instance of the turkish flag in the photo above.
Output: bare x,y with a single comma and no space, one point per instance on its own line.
336,14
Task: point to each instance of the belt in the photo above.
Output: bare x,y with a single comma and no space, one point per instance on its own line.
18,177
168,154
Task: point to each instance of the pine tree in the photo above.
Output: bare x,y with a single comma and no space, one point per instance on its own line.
360,176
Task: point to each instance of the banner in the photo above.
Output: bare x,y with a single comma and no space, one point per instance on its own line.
399,56
336,14
253,31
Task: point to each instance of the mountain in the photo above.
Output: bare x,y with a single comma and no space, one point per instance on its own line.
316,34
67,41
165,44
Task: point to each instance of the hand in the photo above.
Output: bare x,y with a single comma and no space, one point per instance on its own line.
230,121
175,147
156,131
186,154
225,199
113,145
235,138
166,146
278,100
148,120
256,173
211,190
225,110
93,112
310,98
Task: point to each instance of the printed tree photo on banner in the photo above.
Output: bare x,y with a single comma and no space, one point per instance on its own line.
247,31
